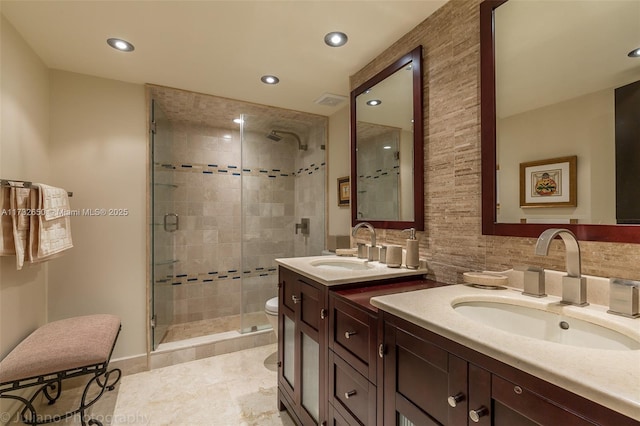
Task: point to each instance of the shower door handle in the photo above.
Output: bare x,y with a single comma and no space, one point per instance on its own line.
171,226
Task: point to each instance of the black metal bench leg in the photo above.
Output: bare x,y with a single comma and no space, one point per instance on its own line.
103,385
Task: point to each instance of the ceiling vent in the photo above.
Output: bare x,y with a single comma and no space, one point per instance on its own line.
330,100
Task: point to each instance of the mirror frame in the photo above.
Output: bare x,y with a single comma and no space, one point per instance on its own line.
606,233
414,56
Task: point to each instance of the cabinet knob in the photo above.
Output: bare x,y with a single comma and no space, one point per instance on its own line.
453,400
323,313
475,415
348,334
381,350
295,298
350,394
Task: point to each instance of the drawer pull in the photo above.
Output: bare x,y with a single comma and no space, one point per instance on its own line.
381,350
295,298
323,313
348,334
475,415
453,400
349,394
517,390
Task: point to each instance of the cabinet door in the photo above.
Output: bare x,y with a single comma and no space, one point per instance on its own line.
310,305
416,382
288,354
302,346
480,407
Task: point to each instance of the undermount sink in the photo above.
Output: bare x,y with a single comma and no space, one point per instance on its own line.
340,264
545,325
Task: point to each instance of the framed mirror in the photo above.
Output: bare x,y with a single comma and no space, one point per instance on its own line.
547,98
387,172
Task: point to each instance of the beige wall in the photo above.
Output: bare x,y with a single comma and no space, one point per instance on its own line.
87,135
584,127
339,165
24,147
99,151
453,242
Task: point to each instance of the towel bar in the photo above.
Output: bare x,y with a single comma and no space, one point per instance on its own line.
23,183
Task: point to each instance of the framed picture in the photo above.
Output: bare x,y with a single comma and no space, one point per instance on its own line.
549,183
344,191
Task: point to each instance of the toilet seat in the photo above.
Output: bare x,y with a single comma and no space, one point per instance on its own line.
271,307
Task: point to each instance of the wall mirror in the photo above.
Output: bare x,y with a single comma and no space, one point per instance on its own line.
387,175
550,71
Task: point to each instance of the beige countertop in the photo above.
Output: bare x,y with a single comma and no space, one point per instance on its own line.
609,377
319,269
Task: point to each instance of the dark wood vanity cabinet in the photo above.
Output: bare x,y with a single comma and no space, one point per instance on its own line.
302,348
430,380
343,362
329,349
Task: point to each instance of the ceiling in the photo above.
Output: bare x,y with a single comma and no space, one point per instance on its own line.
549,52
219,47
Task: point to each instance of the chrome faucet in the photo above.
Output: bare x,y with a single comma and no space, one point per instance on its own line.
574,285
374,252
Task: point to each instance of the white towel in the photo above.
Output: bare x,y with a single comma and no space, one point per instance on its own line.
7,247
20,207
54,227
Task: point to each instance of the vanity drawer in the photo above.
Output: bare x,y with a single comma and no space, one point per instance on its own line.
351,394
514,404
354,336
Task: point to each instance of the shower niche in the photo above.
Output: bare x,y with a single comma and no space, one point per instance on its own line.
236,178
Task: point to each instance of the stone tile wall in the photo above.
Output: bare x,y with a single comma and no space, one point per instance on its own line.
452,241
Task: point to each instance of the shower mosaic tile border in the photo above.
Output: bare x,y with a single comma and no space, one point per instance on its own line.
208,277
381,172
236,171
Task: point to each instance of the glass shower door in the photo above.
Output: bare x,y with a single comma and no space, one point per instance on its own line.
164,222
283,188
263,201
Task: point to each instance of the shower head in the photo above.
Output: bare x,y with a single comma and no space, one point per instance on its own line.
276,137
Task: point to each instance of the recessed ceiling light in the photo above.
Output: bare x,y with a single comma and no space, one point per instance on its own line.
269,79
635,53
238,120
335,39
374,102
119,44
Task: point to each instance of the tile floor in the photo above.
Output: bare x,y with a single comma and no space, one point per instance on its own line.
237,388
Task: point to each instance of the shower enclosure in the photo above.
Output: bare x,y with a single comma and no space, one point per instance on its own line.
228,198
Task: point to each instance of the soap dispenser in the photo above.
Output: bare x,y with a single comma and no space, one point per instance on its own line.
412,259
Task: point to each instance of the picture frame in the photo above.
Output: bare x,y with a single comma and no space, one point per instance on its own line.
344,191
549,183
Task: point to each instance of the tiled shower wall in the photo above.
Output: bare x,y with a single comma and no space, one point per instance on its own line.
219,183
452,242
378,176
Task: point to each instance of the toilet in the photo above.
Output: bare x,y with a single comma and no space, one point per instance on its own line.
271,309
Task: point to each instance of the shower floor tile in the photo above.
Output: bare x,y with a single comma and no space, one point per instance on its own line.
206,327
